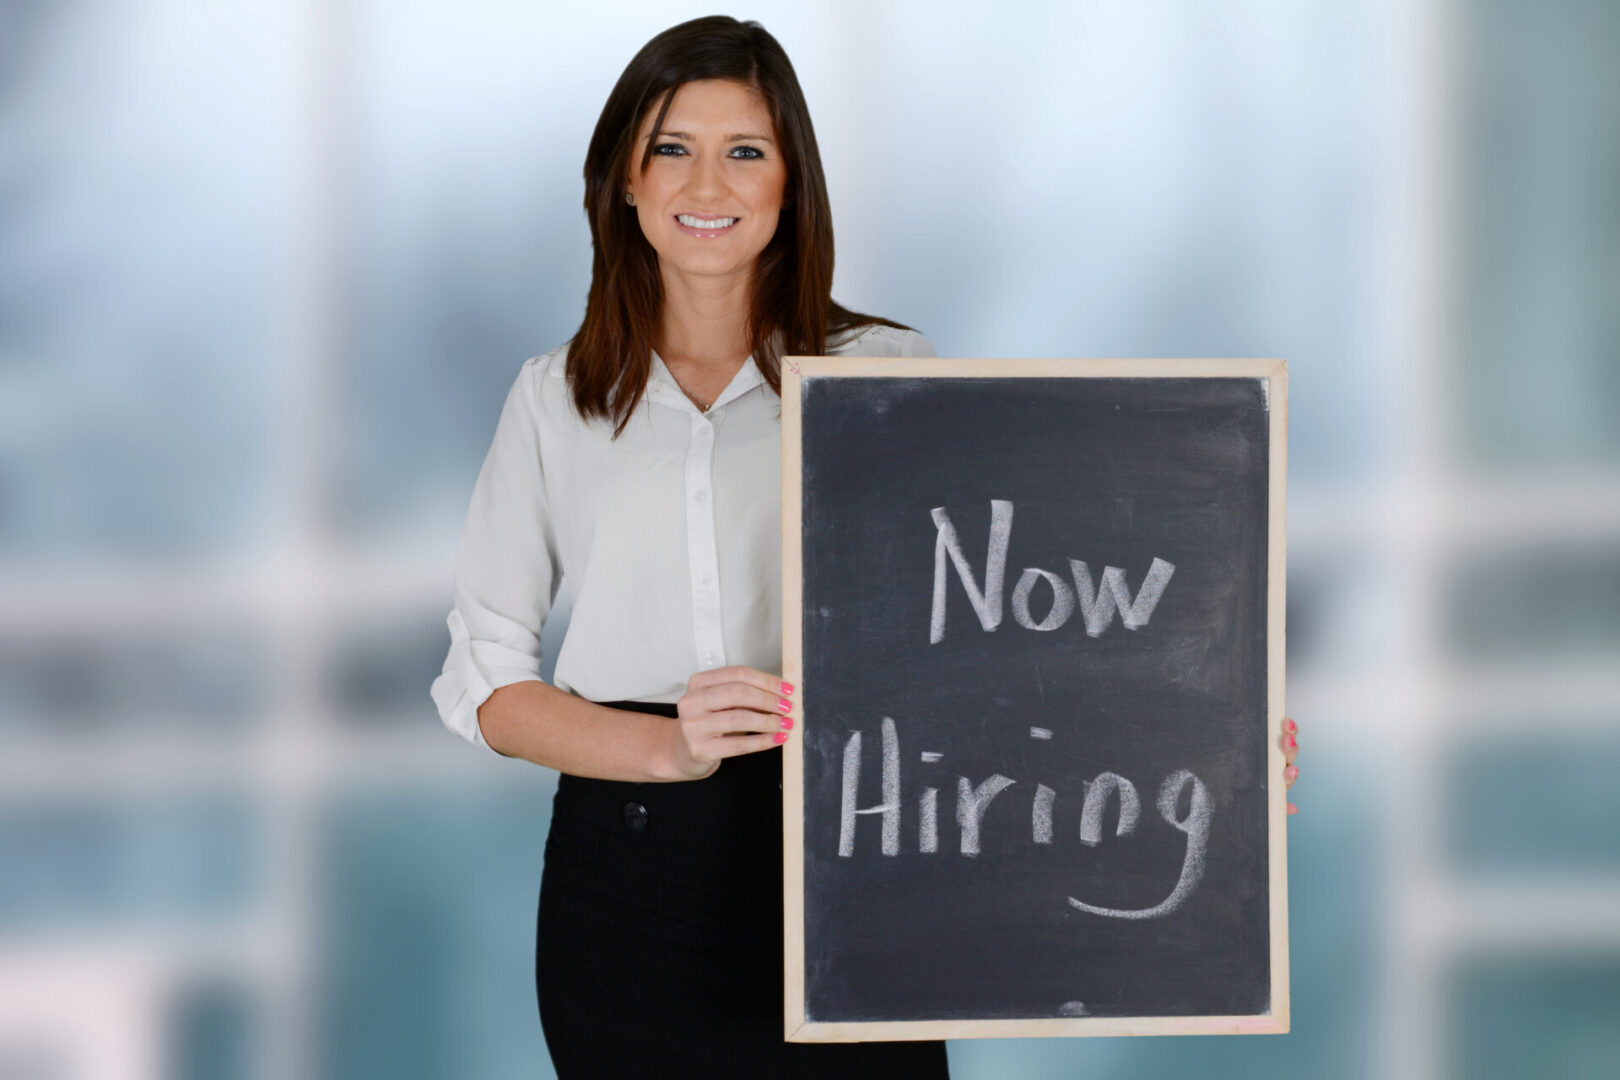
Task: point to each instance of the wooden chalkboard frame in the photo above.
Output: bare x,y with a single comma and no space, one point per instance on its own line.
797,1026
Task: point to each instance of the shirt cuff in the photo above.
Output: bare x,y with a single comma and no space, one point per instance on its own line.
472,672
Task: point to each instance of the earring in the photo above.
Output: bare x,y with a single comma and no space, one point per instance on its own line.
629,199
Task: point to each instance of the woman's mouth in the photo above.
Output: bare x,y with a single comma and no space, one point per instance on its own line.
693,225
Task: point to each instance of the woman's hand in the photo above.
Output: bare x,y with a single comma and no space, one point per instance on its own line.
725,712
1289,740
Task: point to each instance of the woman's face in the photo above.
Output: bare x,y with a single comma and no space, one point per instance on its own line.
709,200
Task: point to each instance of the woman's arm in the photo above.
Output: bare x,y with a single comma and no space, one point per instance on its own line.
537,722
507,567
724,712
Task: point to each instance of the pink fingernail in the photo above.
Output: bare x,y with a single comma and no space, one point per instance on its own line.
1290,742
784,704
1290,727
779,737
787,722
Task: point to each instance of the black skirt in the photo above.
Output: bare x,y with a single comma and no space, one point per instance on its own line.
658,946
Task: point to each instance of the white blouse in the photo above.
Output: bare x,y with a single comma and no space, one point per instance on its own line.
670,538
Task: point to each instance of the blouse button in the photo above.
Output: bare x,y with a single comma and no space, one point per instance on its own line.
704,579
701,496
635,816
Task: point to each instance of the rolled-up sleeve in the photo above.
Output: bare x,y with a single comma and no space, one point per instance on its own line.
507,570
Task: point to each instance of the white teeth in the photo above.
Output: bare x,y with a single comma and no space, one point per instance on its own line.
698,223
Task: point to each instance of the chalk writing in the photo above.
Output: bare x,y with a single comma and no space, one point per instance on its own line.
889,807
1098,601
973,802
1195,825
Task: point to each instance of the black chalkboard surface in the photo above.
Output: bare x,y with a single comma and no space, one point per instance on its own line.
1035,608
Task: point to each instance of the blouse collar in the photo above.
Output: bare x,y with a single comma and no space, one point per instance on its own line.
748,376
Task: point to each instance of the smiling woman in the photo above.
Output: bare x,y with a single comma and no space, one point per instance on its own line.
707,122
641,461
709,200
710,181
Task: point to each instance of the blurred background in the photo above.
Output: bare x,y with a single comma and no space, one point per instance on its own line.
268,267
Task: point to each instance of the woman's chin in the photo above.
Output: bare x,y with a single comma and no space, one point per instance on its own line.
714,265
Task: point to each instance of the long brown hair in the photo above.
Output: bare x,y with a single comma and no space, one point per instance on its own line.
791,311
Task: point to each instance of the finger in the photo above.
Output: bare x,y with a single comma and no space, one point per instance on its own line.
1292,809
733,745
726,721
737,686
707,696
1290,748
1290,774
742,695
702,680
753,676
736,698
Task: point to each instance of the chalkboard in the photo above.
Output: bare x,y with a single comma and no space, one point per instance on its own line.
1035,609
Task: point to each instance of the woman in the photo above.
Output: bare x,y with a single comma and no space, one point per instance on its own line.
642,461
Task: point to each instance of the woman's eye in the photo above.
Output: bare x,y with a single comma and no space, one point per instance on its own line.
744,153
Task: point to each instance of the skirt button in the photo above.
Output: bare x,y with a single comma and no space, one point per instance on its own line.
635,816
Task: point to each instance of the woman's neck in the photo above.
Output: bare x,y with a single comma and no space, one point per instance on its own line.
703,329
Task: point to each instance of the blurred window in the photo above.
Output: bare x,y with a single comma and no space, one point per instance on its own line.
1537,604
1540,260
427,970
81,865
1522,804
203,680
1552,1018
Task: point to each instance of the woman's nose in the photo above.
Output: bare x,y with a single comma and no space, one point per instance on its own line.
707,179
